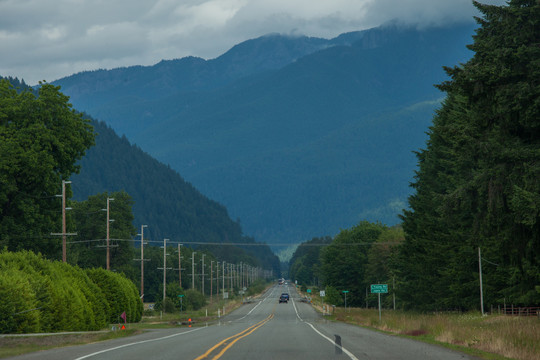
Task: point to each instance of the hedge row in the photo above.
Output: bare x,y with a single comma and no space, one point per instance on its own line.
38,295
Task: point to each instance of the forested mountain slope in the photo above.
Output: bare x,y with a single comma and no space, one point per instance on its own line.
297,137
171,207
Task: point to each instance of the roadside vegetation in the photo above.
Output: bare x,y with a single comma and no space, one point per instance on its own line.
508,337
152,319
493,336
39,295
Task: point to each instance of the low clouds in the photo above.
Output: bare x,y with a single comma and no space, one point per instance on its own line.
49,39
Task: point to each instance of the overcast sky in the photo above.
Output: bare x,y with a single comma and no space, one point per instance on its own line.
50,39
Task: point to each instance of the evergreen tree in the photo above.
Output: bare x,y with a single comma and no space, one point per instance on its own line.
343,262
89,221
305,262
477,183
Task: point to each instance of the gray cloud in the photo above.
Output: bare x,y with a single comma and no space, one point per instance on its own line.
49,39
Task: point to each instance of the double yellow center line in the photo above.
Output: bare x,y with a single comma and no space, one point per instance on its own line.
230,341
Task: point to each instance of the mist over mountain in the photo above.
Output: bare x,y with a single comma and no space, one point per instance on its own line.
298,137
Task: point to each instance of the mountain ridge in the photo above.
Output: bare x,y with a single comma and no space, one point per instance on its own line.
304,149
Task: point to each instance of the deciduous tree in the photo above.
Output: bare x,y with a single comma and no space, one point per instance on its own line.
41,139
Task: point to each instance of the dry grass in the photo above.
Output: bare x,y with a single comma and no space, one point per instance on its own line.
511,337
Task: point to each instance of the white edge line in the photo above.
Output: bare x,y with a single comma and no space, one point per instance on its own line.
259,303
350,354
165,337
136,343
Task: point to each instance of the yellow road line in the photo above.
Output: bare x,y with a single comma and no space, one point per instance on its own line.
236,337
240,337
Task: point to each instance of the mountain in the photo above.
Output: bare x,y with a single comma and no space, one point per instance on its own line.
171,207
297,137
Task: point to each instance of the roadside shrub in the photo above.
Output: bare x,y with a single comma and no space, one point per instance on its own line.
256,288
194,300
149,312
19,311
39,295
120,293
333,297
168,306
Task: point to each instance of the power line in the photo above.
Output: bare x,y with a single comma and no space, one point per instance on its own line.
187,243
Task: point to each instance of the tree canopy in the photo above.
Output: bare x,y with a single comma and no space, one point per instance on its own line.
477,185
344,261
41,139
87,249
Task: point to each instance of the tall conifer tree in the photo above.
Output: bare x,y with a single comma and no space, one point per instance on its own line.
478,182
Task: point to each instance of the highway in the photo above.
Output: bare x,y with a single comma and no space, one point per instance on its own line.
262,330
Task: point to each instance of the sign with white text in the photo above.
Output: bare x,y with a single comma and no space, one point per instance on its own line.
379,288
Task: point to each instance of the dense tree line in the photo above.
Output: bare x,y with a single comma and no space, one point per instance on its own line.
351,261
88,220
304,265
477,185
40,295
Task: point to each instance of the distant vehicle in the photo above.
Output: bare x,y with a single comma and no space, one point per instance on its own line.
284,298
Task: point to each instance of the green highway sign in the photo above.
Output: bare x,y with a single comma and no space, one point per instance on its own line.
379,288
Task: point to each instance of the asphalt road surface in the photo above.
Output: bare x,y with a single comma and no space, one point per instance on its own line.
262,330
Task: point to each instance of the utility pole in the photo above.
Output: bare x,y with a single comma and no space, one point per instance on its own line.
193,270
63,233
481,291
203,273
211,280
241,276
64,243
223,278
165,268
238,279
179,266
142,259
394,291
108,222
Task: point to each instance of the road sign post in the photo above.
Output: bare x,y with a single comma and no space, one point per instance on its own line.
181,297
379,289
345,292
322,294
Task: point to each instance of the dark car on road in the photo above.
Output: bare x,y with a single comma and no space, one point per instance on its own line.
284,298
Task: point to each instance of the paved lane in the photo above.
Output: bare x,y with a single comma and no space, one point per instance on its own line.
262,330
